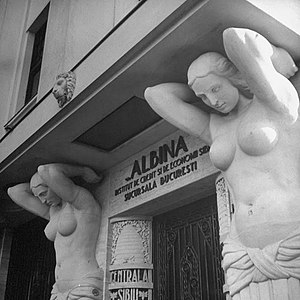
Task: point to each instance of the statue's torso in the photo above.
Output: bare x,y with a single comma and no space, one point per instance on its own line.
75,233
259,154
63,221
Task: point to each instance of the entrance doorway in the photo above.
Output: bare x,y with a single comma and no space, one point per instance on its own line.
187,253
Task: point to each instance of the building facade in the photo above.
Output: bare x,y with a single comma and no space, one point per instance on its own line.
160,192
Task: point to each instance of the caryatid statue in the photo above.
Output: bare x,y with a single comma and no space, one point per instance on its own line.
74,222
254,133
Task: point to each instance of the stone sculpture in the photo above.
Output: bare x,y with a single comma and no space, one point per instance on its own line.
254,133
131,260
64,87
74,222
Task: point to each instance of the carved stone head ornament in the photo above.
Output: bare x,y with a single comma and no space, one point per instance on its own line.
64,87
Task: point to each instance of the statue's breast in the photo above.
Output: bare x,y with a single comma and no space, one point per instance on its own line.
222,151
257,138
51,228
67,222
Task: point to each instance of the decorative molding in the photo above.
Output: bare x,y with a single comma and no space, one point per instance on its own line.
21,114
131,263
190,277
224,207
142,227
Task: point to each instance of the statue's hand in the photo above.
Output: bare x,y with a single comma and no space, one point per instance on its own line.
284,63
90,176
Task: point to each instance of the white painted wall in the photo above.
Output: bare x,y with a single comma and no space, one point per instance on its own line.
286,12
13,15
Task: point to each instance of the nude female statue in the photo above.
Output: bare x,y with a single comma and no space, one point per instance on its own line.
74,221
255,142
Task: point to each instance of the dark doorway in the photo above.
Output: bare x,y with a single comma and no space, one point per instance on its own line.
32,262
187,253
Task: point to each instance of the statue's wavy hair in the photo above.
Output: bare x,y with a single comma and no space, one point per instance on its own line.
220,66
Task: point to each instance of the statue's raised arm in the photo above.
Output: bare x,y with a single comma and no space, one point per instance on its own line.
58,178
175,103
265,68
31,196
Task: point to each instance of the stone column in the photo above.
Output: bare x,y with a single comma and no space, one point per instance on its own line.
131,264
225,207
225,210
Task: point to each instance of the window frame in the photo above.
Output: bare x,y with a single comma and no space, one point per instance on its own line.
36,62
21,105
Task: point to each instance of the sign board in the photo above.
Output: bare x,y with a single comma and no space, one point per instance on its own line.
174,162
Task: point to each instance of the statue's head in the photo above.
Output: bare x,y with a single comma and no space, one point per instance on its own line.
41,190
215,63
64,87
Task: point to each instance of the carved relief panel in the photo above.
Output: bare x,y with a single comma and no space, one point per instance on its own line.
131,264
225,207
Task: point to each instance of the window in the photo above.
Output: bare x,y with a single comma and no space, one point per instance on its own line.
31,70
36,62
